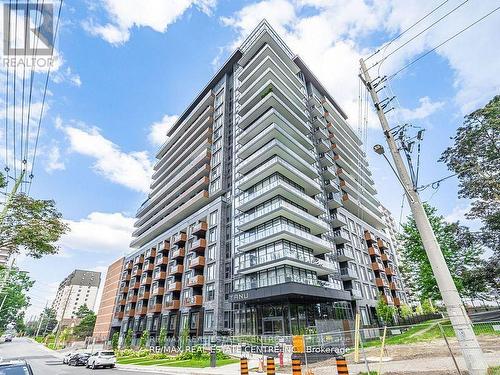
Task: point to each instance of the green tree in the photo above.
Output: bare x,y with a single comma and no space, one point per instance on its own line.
427,306
49,321
144,339
31,224
128,339
475,158
14,296
65,335
385,313
162,338
184,336
114,340
460,248
405,311
87,322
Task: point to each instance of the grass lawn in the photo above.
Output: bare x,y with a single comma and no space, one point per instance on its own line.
145,361
494,370
427,332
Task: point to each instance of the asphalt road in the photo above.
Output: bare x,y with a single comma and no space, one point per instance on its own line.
44,362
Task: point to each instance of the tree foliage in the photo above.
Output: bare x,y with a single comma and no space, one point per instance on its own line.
114,340
49,321
32,224
87,322
128,339
162,338
14,292
460,248
475,157
384,311
144,339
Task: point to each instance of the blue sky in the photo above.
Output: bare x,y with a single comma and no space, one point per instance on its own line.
128,67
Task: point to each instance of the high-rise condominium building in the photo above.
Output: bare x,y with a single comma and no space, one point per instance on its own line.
262,216
77,289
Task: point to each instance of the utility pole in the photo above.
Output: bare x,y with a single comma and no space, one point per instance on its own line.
62,317
471,351
41,319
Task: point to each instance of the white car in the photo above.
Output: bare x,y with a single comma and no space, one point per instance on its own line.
67,357
102,359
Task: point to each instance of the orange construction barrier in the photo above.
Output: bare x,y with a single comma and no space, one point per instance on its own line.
296,365
342,366
243,366
271,370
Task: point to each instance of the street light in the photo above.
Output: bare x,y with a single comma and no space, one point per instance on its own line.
379,149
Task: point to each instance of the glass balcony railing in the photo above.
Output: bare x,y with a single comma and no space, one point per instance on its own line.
282,204
251,261
250,284
249,237
245,198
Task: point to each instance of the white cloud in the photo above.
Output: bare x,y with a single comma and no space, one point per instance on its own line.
459,213
156,14
426,108
331,37
130,169
99,232
54,162
66,75
158,131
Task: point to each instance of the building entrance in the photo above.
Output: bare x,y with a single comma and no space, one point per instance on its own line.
273,325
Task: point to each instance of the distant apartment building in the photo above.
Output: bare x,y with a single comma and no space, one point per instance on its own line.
105,313
262,216
77,289
4,257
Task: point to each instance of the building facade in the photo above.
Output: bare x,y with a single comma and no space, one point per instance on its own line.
261,213
77,289
102,328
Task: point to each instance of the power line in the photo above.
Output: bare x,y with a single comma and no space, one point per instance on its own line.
441,44
43,100
406,30
420,33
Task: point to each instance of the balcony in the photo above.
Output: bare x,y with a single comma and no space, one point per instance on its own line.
193,301
129,265
389,271
393,286
148,266
345,254
174,287
334,200
376,266
132,298
286,190
139,259
150,253
154,308
172,304
284,168
159,275
179,238
125,276
141,310
369,237
145,280
396,301
200,229
385,258
135,285
136,271
118,315
321,145
329,173
387,299
176,270
161,260
341,236
163,246
130,312
380,283
250,263
143,294
284,231
348,274
337,220
284,209
326,160
123,289
197,263
158,291
178,253
382,244
122,301
198,280
356,294
199,245
373,251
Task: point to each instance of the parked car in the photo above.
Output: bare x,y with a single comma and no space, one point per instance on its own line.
7,337
78,359
68,356
102,359
15,368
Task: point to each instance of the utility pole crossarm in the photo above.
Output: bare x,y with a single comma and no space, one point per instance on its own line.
471,351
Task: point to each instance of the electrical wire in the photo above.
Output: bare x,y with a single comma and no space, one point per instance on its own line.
444,42
406,30
380,62
43,101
